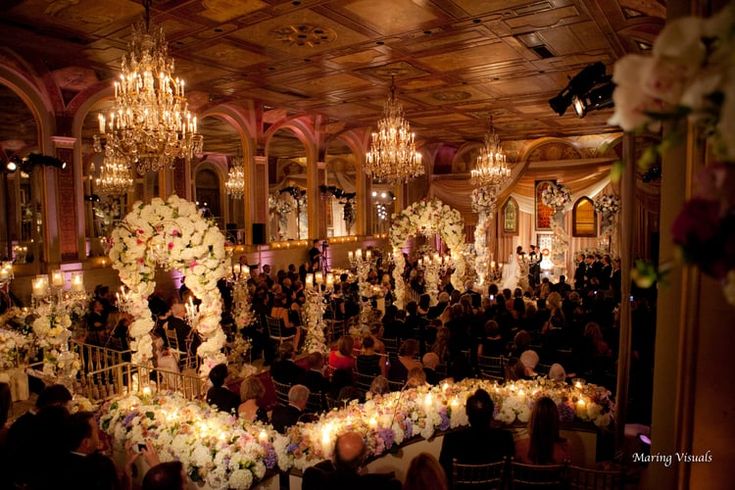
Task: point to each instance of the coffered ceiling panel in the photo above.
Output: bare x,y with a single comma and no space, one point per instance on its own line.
455,62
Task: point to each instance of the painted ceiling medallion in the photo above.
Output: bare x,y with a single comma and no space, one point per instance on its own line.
305,35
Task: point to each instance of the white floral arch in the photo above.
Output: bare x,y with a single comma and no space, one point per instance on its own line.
174,234
427,217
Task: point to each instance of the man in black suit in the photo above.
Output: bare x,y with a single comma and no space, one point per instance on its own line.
605,272
580,272
534,267
284,369
438,309
480,443
314,378
219,395
562,287
345,472
183,330
284,417
83,466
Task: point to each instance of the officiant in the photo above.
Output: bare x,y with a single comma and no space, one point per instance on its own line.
534,267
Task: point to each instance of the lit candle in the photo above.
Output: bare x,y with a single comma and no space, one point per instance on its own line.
102,123
237,269
77,281
428,400
351,255
40,286
368,254
421,262
318,278
445,386
57,278
358,254
263,436
492,264
373,422
330,280
309,281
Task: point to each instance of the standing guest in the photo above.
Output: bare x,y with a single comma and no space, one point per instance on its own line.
480,443
407,353
425,473
252,392
579,272
219,395
615,279
430,362
315,255
26,436
347,469
543,445
284,369
370,362
96,323
415,325
83,467
342,357
285,416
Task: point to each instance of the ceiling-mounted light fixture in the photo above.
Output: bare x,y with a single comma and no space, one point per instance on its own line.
590,89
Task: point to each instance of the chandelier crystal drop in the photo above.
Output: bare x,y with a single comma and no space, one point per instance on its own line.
491,168
235,185
150,124
114,177
393,157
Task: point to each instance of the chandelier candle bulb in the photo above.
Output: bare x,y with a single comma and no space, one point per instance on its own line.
318,278
57,278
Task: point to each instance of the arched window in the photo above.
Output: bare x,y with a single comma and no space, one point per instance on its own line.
510,217
208,191
584,218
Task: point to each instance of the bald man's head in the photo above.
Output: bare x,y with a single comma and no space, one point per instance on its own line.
349,451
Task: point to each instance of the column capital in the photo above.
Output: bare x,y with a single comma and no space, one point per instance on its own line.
260,160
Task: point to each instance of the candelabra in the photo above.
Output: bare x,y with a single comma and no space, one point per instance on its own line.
363,264
53,291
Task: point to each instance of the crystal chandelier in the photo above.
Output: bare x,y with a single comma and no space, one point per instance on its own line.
393,157
150,124
114,178
235,184
491,169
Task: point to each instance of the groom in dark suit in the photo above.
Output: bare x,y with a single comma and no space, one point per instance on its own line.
534,267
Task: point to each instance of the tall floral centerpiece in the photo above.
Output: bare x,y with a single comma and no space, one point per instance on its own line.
690,77
174,235
52,328
484,202
608,207
314,309
427,217
558,197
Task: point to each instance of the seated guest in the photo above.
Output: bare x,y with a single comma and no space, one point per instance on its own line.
543,445
430,362
342,357
25,436
83,466
491,345
252,392
284,369
416,378
280,311
165,476
379,386
284,417
6,402
370,362
557,373
314,378
346,472
340,379
407,353
529,359
425,473
480,443
183,330
219,395
393,328
438,309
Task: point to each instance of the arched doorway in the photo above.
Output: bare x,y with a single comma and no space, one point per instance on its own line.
287,202
208,193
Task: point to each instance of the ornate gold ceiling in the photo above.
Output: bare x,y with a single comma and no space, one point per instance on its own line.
455,61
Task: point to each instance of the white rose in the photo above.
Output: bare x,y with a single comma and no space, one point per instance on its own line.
681,40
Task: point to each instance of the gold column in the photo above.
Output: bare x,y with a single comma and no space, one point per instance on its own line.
259,195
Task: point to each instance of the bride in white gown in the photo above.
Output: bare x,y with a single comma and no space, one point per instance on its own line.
513,272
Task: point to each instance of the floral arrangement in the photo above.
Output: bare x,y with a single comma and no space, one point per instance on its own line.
52,329
242,308
107,211
314,309
556,196
221,451
15,348
173,234
690,77
217,449
427,217
81,404
484,200
608,205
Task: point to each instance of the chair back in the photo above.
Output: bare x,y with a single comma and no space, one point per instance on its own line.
276,330
491,367
531,476
478,476
281,392
396,385
316,403
590,479
363,382
391,346
173,340
335,329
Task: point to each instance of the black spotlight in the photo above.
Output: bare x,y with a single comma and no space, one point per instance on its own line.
588,90
49,161
92,197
